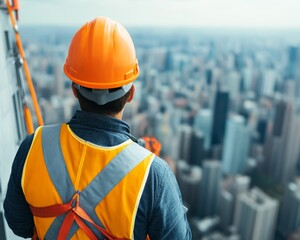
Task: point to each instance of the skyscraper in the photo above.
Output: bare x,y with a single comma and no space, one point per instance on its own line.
12,101
221,105
256,215
185,136
293,62
196,153
226,210
188,178
203,122
269,80
282,148
289,216
233,187
162,130
261,129
234,84
281,108
236,146
208,76
209,189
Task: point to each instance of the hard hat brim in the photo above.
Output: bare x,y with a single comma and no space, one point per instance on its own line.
103,96
100,85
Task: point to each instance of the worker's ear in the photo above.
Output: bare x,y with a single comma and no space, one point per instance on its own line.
132,91
75,91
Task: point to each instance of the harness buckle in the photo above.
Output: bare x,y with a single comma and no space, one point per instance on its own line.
75,200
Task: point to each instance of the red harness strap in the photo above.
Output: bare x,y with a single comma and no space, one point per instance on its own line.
73,214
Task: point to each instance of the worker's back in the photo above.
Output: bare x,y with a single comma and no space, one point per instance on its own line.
92,177
88,178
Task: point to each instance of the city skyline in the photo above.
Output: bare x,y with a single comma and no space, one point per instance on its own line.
221,106
255,14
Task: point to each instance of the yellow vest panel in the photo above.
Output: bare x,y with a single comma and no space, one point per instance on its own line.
84,163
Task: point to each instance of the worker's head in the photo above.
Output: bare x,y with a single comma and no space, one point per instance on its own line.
102,65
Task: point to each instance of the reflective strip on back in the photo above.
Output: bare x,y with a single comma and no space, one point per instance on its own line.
55,163
57,170
100,186
108,178
111,175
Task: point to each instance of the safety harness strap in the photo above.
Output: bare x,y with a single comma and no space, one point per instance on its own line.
73,214
51,211
65,227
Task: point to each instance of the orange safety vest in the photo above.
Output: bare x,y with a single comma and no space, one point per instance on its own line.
79,190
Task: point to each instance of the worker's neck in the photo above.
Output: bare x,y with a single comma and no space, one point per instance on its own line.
118,115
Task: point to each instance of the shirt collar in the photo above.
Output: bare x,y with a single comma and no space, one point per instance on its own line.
99,121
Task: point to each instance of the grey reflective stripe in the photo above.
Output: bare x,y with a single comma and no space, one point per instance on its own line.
55,163
96,191
52,232
110,176
57,171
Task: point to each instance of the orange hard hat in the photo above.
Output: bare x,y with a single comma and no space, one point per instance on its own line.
101,56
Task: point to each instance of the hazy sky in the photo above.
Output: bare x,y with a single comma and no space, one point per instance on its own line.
202,13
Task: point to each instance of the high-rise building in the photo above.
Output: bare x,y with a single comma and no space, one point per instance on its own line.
269,80
233,187
282,148
201,228
221,105
236,146
12,126
220,236
203,123
281,108
261,129
293,62
184,143
247,76
59,81
226,210
256,215
289,215
197,153
188,178
209,189
209,76
162,131
234,84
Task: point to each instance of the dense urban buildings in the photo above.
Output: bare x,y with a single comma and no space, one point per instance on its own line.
224,105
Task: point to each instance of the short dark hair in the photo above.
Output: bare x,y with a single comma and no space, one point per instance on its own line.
110,108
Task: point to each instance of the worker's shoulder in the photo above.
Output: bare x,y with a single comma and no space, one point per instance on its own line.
25,144
159,170
159,165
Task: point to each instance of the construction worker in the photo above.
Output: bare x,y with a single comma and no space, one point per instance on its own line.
152,144
88,178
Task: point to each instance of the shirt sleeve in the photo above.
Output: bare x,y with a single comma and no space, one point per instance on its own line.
168,220
16,208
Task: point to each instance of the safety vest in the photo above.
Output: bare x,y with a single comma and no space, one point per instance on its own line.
79,190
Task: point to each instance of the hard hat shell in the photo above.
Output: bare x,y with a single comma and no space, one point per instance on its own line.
101,55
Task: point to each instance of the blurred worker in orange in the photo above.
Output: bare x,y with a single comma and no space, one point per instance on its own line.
88,178
152,144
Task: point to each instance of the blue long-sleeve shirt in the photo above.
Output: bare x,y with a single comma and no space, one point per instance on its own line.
160,213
